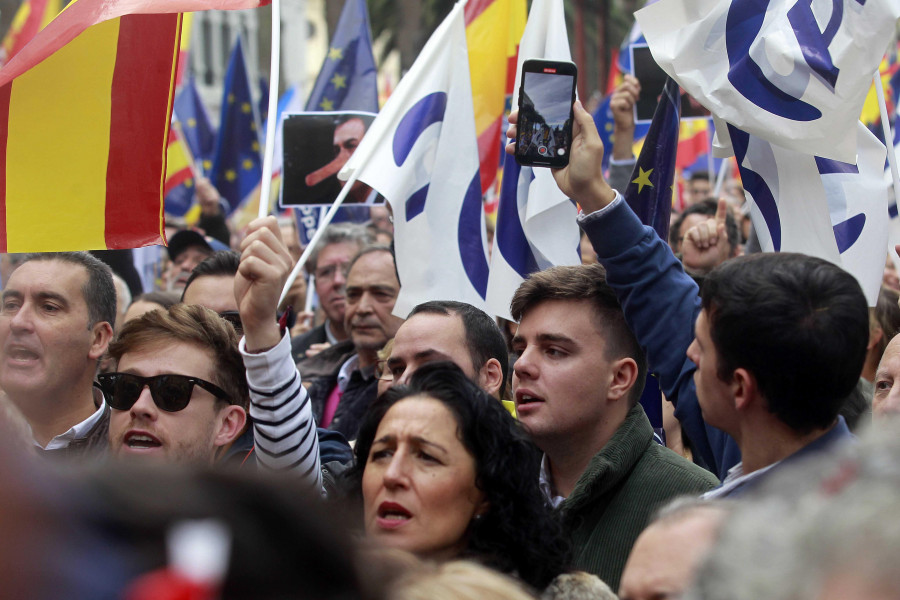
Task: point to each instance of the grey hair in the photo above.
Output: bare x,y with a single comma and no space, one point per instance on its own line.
339,233
832,516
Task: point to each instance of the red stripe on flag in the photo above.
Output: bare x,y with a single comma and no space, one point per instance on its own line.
139,124
489,150
4,134
177,179
474,8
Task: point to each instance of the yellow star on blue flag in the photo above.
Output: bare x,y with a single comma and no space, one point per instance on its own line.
643,179
335,54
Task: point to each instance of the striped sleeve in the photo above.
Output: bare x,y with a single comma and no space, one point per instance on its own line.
284,428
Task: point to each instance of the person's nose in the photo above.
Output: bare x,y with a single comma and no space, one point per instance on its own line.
23,319
525,367
144,407
397,472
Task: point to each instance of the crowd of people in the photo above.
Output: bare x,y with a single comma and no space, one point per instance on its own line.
201,440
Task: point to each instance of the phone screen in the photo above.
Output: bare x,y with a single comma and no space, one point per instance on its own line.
545,116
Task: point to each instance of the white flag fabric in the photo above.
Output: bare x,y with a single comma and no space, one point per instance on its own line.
421,154
536,225
788,71
820,207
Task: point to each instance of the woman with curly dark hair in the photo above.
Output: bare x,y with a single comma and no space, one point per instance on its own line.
445,472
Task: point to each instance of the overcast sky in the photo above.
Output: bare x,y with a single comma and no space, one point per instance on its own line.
551,94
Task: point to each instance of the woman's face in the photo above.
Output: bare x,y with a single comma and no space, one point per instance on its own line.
419,481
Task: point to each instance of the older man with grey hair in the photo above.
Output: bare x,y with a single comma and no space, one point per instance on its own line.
328,264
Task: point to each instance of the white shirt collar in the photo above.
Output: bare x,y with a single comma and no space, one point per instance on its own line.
350,365
735,479
78,431
546,484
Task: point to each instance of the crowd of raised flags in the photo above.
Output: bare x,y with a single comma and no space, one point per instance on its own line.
779,79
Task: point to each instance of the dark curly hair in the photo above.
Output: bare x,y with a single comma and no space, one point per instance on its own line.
518,534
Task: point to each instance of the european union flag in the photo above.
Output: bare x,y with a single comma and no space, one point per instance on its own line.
237,167
347,81
347,78
650,192
603,119
195,125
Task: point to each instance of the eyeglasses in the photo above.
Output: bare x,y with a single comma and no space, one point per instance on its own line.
233,317
170,392
328,273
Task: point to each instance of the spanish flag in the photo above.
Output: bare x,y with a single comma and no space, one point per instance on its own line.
84,118
32,16
493,31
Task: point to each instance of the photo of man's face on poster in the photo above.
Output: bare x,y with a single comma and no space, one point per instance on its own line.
316,146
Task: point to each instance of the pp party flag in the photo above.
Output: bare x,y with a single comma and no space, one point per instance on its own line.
649,194
773,68
421,154
196,127
83,150
32,16
237,167
820,207
536,225
493,30
346,81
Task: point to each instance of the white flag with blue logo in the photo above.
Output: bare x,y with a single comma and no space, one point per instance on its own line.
536,225
820,207
421,154
795,73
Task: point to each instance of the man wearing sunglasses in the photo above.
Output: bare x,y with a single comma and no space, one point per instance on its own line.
182,393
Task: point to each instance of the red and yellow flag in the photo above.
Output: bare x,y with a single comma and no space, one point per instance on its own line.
84,117
83,137
179,163
32,16
493,31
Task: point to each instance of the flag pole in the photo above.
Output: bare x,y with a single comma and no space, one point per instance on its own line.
888,137
720,178
269,155
320,231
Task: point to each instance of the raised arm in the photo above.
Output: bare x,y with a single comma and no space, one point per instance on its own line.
659,299
283,425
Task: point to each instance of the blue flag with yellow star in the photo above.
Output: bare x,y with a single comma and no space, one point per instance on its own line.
195,125
237,166
649,194
346,81
347,78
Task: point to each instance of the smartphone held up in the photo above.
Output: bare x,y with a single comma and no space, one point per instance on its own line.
544,127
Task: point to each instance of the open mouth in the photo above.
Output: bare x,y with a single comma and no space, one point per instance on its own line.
141,441
20,353
523,399
391,511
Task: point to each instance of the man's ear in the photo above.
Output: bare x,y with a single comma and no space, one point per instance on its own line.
744,389
624,375
875,335
102,334
231,424
490,377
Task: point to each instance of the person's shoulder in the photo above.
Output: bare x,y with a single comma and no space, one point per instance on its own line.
675,470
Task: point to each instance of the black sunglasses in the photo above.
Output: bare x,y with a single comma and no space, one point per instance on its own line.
170,392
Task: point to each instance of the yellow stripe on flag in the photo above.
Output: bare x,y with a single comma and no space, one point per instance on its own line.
54,108
487,62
